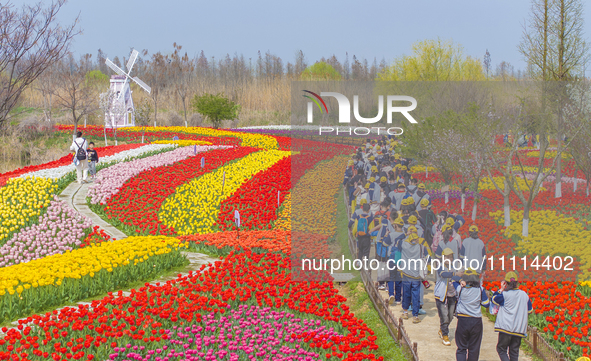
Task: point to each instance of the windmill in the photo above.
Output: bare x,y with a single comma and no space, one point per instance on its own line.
120,86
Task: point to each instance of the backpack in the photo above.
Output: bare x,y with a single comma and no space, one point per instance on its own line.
81,153
362,225
377,221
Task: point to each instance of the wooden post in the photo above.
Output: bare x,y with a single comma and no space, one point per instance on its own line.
414,348
561,357
534,343
399,336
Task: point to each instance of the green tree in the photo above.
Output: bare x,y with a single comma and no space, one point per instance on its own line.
320,71
434,60
215,107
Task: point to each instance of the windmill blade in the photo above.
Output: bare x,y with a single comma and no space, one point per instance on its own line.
142,84
114,67
132,60
122,88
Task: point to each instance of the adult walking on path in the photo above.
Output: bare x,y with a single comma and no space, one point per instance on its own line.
511,324
79,146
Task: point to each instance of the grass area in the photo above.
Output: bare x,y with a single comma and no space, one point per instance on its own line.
343,233
357,298
361,305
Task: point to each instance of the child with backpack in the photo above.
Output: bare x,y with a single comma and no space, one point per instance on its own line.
363,221
396,235
471,296
379,231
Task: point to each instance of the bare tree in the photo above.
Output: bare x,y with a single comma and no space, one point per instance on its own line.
73,93
157,76
182,69
45,84
142,115
487,63
31,40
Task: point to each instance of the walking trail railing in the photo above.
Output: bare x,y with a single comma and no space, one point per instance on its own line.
534,340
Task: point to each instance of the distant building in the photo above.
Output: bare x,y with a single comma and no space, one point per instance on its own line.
126,118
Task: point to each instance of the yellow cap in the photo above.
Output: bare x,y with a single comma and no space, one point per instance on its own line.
511,276
447,252
424,202
421,186
374,168
372,179
396,156
403,167
402,185
412,229
372,158
446,227
362,201
383,179
412,220
378,147
450,221
471,272
583,359
412,236
473,228
399,221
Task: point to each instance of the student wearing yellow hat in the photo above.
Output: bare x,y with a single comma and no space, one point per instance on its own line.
420,195
412,255
469,329
474,251
445,295
392,238
360,226
448,241
511,323
397,196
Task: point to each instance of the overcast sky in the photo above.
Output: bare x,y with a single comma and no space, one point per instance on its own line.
368,29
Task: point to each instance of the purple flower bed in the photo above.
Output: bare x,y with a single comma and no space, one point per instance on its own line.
59,230
109,180
251,332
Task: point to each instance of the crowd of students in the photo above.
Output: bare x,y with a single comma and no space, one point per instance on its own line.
392,213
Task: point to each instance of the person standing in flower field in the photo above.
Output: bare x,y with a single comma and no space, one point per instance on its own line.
511,324
79,146
93,159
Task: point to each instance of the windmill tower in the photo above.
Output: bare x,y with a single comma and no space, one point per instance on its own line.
124,117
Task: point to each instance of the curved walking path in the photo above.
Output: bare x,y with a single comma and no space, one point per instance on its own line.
75,196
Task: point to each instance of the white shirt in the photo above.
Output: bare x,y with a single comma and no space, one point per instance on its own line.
79,143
